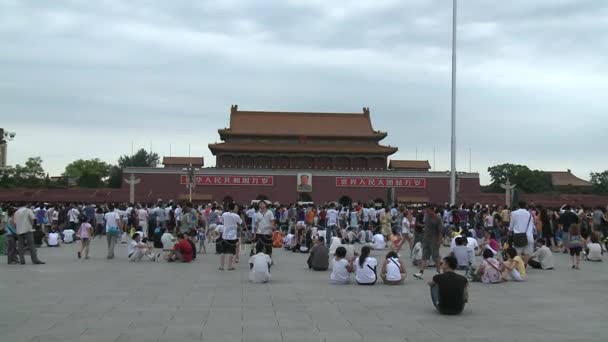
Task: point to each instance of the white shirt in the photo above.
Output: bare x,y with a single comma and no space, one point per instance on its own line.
231,220
378,241
405,226
73,215
463,255
260,272
339,273
472,243
365,215
372,214
24,218
53,239
393,270
264,222
332,217
142,215
365,274
68,235
167,240
521,220
111,218
288,240
55,215
595,251
178,214
132,246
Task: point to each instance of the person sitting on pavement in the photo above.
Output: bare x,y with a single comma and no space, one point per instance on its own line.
378,241
318,260
490,270
259,265
341,268
138,249
449,290
542,258
515,268
594,249
181,251
53,239
393,269
463,254
365,268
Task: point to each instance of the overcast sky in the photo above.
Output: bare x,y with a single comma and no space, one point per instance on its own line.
85,79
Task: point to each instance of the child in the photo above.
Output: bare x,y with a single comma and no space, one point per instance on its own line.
575,245
85,232
378,241
462,253
259,265
396,240
341,268
201,236
53,239
417,253
290,240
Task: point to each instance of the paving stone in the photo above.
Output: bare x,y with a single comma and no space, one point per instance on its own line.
115,300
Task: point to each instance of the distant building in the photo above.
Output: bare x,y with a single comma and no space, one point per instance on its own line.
181,162
311,157
565,181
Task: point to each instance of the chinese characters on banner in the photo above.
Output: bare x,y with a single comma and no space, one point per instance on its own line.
230,180
380,182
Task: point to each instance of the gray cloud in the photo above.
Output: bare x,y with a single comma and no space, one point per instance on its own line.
87,78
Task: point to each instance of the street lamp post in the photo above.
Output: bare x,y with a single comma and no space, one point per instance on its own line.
453,140
190,182
5,137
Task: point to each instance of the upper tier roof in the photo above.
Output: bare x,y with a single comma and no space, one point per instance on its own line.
183,161
566,178
257,123
409,165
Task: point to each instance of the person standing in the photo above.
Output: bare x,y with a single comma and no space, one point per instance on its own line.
229,232
11,237
332,223
24,222
73,214
85,232
264,222
449,290
566,219
113,229
431,240
575,245
142,220
522,222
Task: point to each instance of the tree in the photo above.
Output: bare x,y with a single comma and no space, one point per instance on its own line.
600,182
141,158
88,173
531,181
31,174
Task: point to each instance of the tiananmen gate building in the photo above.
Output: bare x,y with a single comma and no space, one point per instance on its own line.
296,156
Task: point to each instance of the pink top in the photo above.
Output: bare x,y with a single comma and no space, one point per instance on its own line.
84,230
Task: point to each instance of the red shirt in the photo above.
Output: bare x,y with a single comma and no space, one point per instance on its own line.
184,247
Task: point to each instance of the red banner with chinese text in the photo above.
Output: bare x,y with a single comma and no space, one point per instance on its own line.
230,180
380,182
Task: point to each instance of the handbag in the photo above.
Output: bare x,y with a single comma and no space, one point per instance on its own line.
521,239
113,231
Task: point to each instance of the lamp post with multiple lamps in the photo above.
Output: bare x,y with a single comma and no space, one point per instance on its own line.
190,182
5,137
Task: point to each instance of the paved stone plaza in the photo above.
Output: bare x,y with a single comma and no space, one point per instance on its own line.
116,300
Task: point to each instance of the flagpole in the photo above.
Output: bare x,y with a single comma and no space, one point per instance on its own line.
453,140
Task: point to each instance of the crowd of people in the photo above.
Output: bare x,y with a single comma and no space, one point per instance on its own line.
488,244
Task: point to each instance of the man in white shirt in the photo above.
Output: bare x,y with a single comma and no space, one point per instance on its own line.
542,258
178,215
373,218
378,241
53,239
332,223
264,226
73,217
523,222
24,221
365,217
142,220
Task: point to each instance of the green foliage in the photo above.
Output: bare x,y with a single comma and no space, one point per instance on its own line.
88,173
141,158
115,180
526,180
31,174
600,182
